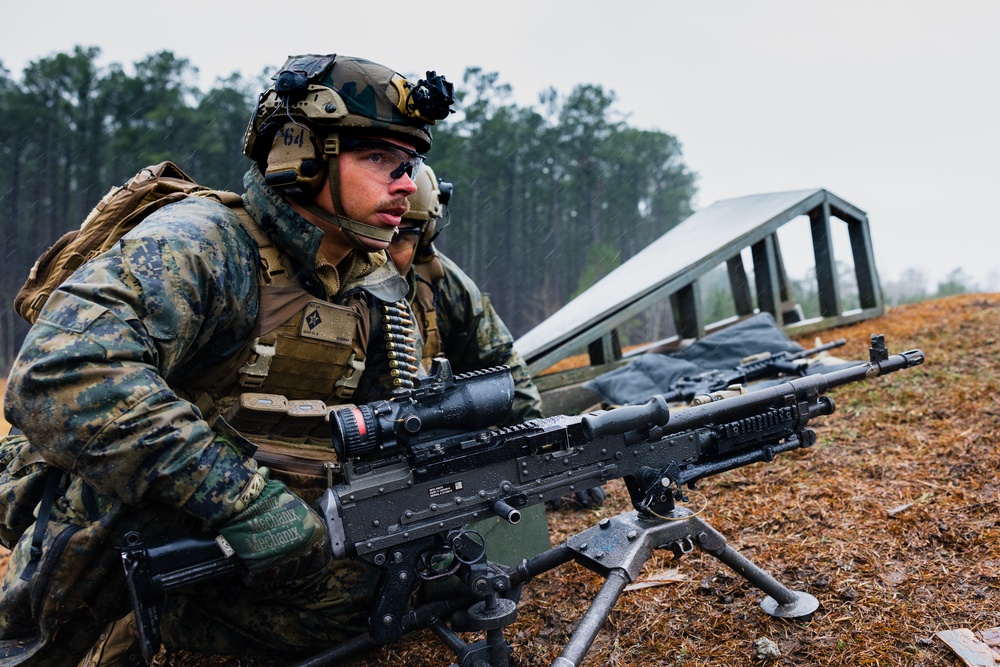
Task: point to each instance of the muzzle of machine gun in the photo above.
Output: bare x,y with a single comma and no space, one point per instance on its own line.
442,404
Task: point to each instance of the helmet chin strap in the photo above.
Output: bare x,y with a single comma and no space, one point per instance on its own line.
353,229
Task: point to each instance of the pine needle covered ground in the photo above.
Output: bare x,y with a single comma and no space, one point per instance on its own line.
891,520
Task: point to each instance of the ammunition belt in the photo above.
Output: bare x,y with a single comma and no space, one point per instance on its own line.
397,327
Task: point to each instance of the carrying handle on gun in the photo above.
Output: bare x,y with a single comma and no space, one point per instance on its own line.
654,412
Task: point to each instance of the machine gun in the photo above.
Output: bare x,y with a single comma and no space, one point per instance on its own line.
700,388
420,467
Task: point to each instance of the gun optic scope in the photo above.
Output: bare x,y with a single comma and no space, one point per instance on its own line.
441,405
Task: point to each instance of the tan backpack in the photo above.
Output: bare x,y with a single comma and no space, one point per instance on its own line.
23,473
115,215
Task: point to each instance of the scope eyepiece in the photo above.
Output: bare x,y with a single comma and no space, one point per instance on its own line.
354,429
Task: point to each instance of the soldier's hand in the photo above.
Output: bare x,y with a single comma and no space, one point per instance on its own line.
592,497
276,532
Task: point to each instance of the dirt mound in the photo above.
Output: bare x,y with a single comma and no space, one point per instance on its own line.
891,520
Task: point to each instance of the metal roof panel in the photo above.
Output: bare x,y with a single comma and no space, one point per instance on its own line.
697,244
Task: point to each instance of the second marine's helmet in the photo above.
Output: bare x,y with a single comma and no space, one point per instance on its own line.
298,125
427,205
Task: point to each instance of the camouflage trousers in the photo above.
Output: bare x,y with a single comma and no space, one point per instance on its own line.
53,608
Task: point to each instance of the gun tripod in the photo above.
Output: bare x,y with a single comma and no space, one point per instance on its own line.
616,548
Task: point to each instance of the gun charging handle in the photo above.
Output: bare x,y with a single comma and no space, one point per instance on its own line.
506,511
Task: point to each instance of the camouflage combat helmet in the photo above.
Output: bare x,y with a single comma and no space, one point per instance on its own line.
317,100
427,205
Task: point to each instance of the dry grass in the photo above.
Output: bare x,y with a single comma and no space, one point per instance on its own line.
820,521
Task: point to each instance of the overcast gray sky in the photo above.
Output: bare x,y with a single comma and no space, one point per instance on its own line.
893,105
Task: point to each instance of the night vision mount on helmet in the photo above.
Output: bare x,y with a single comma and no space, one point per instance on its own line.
295,133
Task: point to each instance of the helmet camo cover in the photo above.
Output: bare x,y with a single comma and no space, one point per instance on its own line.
331,91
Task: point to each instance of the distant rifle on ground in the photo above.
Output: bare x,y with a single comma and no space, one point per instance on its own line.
702,388
420,467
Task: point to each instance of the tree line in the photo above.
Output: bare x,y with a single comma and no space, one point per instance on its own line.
547,198
72,130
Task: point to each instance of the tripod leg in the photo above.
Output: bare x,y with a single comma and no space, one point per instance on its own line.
781,602
592,621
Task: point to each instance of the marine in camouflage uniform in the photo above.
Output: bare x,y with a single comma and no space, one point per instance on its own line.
455,319
473,336
119,384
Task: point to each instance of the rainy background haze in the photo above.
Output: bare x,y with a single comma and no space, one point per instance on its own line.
584,130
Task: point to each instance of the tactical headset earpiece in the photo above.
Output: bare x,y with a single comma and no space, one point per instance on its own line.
295,164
